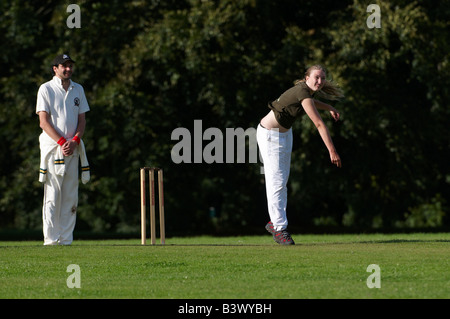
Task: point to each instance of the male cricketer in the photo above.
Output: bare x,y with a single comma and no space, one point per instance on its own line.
61,106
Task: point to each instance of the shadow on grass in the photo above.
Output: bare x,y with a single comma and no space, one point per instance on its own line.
80,244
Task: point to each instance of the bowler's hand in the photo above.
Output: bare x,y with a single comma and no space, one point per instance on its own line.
335,114
335,159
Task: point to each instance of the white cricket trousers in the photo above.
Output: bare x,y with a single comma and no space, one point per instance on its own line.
276,149
60,201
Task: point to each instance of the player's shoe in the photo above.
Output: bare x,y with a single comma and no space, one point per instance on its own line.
281,237
269,228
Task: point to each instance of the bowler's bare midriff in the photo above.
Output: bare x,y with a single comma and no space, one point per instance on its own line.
269,122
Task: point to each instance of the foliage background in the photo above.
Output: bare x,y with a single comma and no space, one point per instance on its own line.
149,67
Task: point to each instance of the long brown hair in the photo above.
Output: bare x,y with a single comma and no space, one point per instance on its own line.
329,90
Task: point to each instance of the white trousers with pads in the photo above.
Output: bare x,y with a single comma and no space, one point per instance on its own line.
60,201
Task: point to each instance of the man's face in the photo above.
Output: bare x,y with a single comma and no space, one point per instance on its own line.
64,71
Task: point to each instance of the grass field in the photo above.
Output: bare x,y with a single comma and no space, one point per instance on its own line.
319,266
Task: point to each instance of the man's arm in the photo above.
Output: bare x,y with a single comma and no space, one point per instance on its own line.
67,146
81,125
46,125
71,145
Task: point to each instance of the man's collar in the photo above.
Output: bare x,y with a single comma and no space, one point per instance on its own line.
58,81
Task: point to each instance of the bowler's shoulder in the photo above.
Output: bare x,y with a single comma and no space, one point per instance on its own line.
302,91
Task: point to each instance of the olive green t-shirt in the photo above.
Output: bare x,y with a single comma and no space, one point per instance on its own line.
289,105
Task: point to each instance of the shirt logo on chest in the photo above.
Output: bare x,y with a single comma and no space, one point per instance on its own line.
76,101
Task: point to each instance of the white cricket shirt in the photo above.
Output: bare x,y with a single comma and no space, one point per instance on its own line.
63,107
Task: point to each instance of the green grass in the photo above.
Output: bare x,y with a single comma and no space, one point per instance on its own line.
319,266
